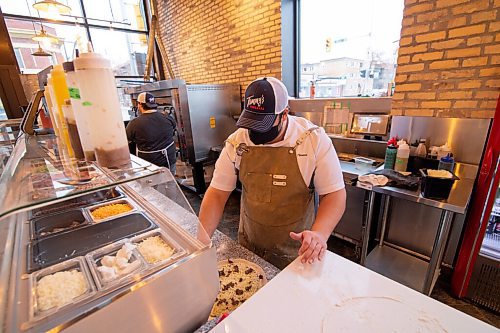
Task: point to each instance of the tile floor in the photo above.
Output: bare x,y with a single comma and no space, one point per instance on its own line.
229,226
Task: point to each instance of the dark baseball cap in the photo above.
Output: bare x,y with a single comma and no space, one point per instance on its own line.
148,99
265,99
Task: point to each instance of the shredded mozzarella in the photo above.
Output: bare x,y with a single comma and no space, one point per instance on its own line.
154,249
60,288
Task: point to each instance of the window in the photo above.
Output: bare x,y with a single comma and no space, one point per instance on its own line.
21,32
19,57
127,14
116,28
362,55
3,115
25,8
127,51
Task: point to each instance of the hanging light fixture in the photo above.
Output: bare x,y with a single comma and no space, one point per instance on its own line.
41,52
51,6
44,36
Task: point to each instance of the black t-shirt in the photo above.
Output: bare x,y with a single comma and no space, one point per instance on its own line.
153,131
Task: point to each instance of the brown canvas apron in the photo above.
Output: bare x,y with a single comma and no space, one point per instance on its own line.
275,200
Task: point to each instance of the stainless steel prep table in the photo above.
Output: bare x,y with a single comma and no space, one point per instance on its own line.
404,267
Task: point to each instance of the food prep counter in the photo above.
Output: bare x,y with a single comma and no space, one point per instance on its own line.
92,254
337,295
395,256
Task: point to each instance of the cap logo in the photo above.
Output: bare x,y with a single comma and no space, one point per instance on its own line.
255,102
151,99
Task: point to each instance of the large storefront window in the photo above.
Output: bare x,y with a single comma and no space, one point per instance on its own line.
349,48
116,29
21,32
127,14
25,8
127,51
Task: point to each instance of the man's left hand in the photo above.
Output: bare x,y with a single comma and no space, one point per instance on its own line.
313,245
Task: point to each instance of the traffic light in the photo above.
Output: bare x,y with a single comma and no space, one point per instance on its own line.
329,44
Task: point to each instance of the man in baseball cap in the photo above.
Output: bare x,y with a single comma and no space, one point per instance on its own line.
265,101
280,160
152,133
146,101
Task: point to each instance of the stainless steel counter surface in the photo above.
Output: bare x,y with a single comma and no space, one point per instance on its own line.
349,170
457,201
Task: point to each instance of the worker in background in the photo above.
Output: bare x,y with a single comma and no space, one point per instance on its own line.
280,160
153,133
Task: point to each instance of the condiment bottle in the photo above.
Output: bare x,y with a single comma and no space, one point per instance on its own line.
50,106
390,154
60,94
421,149
69,117
82,118
99,98
312,90
447,163
402,156
444,150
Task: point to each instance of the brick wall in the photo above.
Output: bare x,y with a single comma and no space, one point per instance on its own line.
449,56
216,41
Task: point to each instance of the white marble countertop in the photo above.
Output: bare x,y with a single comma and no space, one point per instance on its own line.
337,295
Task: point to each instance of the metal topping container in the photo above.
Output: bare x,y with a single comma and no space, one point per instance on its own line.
83,119
99,98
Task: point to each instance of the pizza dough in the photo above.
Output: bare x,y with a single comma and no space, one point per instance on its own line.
379,315
239,279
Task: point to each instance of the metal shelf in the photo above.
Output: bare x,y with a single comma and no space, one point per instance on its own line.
491,245
398,266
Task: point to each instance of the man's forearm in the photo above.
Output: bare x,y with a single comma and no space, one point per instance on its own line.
330,211
212,208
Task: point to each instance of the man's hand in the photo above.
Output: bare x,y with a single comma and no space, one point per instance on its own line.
313,245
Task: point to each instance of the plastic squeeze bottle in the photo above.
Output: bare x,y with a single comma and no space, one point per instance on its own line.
62,94
50,106
99,99
402,156
444,150
447,163
82,118
421,149
390,154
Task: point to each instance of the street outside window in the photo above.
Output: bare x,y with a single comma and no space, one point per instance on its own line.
349,48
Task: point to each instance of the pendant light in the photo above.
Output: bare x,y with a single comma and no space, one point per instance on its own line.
41,52
52,6
45,36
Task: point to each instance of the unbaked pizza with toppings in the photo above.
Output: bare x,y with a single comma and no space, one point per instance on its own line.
239,279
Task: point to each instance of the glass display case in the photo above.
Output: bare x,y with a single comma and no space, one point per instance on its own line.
85,248
9,130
